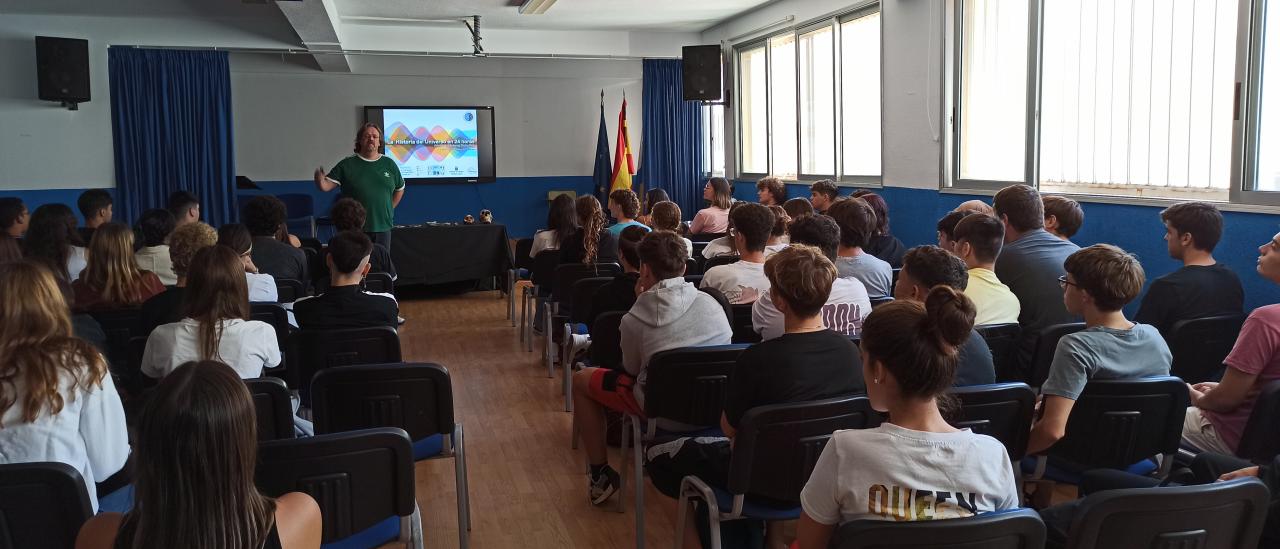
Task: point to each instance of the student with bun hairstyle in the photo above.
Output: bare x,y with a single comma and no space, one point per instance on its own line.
909,357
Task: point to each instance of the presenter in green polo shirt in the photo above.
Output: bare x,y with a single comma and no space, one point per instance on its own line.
371,179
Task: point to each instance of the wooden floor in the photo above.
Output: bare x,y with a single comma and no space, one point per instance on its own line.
528,488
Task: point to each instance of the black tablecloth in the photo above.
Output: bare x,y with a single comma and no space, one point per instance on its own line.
449,253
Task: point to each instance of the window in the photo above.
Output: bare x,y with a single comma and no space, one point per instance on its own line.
713,140
993,90
1263,170
753,111
782,105
860,95
817,102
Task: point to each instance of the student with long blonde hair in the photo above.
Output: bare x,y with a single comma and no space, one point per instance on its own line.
112,279
57,401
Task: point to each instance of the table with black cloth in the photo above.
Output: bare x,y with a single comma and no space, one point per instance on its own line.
437,254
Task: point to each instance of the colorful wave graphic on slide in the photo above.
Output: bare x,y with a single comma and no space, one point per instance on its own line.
437,144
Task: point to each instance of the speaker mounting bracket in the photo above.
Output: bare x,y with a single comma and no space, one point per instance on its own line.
71,105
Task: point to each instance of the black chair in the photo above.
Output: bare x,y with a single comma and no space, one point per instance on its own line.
1200,345
893,279
722,300
42,505
1117,423
559,291
301,209
718,261
380,283
704,237
1046,344
1222,515
698,248
119,326
774,452
692,266
317,271
274,405
315,350
522,262
541,274
880,301
278,318
1003,341
743,329
363,481
606,340
416,397
289,290
1011,529
1260,441
696,280
1003,411
579,305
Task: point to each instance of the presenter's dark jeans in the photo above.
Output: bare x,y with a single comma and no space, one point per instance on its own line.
383,238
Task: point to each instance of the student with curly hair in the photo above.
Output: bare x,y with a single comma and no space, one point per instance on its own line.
624,206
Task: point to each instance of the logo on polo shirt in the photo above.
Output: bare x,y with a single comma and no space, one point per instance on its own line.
386,174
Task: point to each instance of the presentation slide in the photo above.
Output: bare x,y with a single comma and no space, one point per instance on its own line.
428,143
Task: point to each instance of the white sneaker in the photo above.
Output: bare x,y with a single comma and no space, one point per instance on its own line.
577,344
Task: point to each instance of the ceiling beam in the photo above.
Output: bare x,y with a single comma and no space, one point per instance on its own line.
314,21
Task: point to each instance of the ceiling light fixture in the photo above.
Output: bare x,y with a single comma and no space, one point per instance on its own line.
535,7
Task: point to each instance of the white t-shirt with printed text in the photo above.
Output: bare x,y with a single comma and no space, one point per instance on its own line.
740,282
846,308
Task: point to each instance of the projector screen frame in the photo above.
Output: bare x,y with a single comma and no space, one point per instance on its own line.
370,118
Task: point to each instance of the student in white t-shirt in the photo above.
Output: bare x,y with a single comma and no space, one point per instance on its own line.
744,281
562,219
847,305
916,466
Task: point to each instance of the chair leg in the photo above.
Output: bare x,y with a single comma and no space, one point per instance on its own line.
411,529
566,384
637,456
573,436
524,307
548,343
462,485
625,435
511,298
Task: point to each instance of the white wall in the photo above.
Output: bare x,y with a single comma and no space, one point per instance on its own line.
911,72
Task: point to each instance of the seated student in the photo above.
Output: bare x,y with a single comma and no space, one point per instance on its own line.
1202,287
577,247
976,206
925,267
53,241
14,218
847,304
111,279
1219,411
197,442
797,207
714,219
166,307
669,313
778,235
624,206
1063,216
744,281
155,226
345,304
947,227
857,222
562,220
264,216
882,244
618,294
651,198
215,324
57,399
808,362
978,239
349,215
770,191
262,286
1100,280
822,194
95,206
723,245
909,358
665,216
185,208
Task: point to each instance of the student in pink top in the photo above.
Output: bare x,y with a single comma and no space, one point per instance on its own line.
1220,410
714,218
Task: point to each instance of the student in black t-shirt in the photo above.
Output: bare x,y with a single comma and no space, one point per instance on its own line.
345,304
808,362
924,267
1202,287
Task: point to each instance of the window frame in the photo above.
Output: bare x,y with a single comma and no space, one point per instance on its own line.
1248,107
841,178
714,148
738,50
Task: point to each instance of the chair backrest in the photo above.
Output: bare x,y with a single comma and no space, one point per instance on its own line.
691,266
720,260
704,237
1002,410
1200,345
1046,344
1003,340
313,350
1116,423
606,340
689,384
359,478
119,326
698,247
722,300
42,504
1260,441
567,274
289,290
1220,515
542,270
777,446
379,283
893,279
580,296
743,330
696,280
414,396
274,405
298,204
880,301
277,317
522,259
1011,529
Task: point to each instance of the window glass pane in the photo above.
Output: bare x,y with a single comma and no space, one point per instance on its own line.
716,113
753,110
993,90
1137,96
860,94
1268,161
817,102
782,104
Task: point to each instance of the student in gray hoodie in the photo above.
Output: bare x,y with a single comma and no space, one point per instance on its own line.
669,313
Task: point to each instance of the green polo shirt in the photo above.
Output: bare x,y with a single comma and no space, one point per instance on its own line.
371,183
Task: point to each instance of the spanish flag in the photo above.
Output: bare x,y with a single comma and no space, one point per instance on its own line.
622,172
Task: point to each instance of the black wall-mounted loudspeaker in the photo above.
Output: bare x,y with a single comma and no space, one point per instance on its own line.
62,69
701,68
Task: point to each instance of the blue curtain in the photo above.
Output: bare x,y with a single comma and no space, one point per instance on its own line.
171,125
671,145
